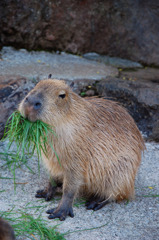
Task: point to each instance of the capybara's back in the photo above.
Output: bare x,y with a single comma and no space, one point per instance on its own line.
97,142
6,231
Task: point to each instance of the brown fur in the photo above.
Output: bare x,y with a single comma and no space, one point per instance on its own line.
6,231
98,142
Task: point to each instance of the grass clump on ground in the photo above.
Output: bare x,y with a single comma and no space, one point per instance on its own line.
25,225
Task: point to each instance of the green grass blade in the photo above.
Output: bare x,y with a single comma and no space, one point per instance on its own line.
28,138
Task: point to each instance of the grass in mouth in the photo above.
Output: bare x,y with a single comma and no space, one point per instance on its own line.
29,137
25,225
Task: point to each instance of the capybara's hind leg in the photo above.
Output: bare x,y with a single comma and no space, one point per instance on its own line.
49,192
96,203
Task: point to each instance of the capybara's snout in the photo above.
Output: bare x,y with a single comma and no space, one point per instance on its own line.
31,106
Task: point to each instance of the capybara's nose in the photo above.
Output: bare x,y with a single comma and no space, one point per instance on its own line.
34,102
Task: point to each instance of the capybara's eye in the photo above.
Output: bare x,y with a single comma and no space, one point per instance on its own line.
62,96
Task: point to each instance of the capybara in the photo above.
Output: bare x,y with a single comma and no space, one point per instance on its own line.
97,142
6,231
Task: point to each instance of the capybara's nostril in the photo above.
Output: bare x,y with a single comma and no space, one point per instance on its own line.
37,105
33,101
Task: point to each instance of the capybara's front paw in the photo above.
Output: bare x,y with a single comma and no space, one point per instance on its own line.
60,213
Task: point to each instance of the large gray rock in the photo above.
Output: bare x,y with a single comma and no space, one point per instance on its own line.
138,91
119,28
65,66
113,61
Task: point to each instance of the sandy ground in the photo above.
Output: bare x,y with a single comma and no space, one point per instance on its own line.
138,219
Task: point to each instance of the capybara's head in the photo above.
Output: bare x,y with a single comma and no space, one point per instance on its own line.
49,101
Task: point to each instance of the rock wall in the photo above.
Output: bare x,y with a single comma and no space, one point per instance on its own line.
121,28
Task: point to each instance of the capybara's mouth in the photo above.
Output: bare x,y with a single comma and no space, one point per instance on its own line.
30,114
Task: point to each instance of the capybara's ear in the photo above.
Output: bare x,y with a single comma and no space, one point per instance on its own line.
72,84
50,75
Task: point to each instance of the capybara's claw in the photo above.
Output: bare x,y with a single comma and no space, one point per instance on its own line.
60,213
48,194
40,194
50,211
96,204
